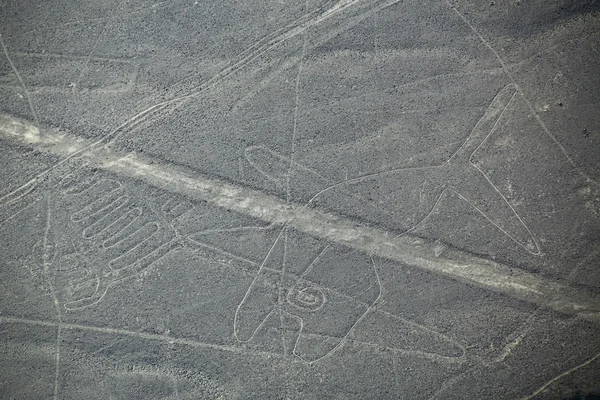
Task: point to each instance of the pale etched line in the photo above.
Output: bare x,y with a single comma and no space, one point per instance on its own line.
280,294
265,44
60,56
538,119
57,365
434,207
112,277
122,225
508,349
394,350
197,243
301,286
318,286
102,203
521,332
133,243
12,126
553,48
386,350
358,321
281,298
449,383
428,330
130,241
260,170
261,46
135,236
473,138
18,212
526,327
368,96
14,196
259,86
463,146
258,167
236,349
258,327
73,184
535,252
570,371
252,284
297,166
142,335
490,133
282,329
292,31
16,71
108,24
46,261
109,220
176,212
129,71
120,228
314,261
373,175
410,251
295,122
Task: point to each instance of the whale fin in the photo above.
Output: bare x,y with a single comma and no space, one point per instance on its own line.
481,194
470,183
486,125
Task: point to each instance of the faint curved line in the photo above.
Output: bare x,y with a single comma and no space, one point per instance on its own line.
537,249
150,229
133,213
541,389
422,222
343,339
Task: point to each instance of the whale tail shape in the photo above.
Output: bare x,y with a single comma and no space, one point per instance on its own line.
471,184
486,125
409,196
403,199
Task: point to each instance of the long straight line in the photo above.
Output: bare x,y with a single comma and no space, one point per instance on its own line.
407,250
46,262
135,334
20,79
235,348
528,102
288,178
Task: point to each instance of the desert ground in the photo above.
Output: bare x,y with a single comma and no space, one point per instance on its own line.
319,199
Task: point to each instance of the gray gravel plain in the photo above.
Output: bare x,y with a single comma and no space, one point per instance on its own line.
353,199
